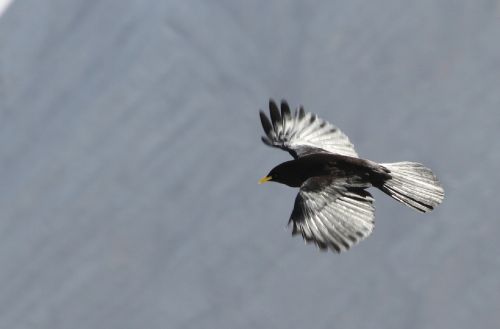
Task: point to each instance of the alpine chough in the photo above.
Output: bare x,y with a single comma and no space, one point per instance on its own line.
333,208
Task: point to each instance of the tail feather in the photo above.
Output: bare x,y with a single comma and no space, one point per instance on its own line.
413,185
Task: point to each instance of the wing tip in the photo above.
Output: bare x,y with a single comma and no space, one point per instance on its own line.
266,124
274,113
285,111
266,141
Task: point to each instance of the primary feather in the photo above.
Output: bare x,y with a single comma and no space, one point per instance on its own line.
302,133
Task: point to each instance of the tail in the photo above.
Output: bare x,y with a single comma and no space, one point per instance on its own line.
414,185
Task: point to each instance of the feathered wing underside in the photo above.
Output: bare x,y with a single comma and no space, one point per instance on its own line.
302,133
335,214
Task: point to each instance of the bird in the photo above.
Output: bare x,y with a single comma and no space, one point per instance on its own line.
333,208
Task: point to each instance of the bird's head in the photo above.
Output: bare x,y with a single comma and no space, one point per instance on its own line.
287,173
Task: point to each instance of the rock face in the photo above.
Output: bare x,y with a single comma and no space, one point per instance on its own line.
130,152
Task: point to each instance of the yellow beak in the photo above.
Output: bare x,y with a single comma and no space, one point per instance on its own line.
265,179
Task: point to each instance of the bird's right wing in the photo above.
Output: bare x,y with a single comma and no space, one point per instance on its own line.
334,214
302,133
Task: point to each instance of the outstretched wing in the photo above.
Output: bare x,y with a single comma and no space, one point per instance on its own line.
333,214
302,133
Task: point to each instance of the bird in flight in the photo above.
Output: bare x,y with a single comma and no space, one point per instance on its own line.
333,209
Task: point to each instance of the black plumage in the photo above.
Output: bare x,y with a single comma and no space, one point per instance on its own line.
333,208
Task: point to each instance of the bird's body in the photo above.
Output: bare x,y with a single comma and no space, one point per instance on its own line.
333,208
329,165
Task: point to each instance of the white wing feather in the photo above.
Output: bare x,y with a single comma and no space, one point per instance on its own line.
303,133
337,216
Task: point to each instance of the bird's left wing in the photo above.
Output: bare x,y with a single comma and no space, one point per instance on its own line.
303,132
334,214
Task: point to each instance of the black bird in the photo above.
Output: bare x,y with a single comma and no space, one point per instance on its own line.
333,208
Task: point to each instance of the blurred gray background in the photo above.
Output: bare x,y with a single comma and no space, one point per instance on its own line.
130,153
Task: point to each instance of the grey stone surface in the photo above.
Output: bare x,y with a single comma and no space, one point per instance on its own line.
130,151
